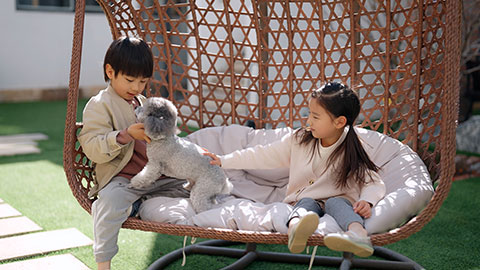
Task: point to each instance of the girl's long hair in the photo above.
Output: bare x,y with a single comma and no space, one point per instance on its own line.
340,100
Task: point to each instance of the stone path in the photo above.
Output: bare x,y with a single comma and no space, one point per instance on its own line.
22,238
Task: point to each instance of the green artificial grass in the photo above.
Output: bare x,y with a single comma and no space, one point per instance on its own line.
36,186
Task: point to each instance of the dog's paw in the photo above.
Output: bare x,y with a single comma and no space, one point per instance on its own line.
136,184
201,204
133,186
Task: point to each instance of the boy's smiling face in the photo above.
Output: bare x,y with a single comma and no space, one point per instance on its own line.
124,85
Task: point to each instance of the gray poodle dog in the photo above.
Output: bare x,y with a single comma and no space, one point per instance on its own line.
175,157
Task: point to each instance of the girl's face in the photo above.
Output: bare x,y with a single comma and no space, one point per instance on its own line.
126,86
323,125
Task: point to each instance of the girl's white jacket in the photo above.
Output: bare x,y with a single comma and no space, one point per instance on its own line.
310,177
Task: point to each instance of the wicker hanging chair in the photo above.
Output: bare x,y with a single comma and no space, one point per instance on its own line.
231,62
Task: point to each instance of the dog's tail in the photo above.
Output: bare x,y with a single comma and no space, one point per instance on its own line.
227,188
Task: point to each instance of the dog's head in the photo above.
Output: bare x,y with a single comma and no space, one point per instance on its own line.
159,116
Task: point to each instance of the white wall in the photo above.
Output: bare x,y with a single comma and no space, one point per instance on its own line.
35,48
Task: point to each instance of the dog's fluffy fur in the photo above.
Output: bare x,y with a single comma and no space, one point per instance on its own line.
175,157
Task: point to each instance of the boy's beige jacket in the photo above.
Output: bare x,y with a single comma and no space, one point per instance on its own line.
104,116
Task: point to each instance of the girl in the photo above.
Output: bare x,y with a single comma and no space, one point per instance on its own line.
330,172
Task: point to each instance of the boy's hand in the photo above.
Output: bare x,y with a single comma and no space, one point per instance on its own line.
215,159
363,208
137,131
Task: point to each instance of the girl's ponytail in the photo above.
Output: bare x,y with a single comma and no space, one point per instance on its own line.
355,163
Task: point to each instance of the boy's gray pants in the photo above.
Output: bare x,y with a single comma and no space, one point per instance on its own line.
112,208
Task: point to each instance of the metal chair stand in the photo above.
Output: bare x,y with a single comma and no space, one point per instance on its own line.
391,259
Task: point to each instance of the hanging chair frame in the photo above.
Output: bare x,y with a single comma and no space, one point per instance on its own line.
79,170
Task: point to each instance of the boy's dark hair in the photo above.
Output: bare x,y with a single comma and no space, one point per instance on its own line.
130,56
339,100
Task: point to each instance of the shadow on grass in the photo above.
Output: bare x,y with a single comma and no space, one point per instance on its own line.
165,244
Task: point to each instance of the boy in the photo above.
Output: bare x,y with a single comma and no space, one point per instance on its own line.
113,140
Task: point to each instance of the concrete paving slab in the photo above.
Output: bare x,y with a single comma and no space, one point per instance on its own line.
17,225
11,149
41,243
19,138
20,144
57,262
7,211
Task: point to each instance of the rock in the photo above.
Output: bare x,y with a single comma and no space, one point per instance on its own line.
468,135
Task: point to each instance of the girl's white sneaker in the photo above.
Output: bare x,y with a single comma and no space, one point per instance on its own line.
349,242
299,234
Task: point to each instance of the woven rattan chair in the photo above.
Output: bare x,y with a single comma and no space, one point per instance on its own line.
248,61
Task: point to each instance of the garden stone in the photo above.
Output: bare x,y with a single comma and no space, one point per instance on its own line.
468,135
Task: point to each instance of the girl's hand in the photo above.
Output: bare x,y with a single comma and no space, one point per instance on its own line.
363,208
137,131
215,159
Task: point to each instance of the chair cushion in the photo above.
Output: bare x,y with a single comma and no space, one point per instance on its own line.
409,189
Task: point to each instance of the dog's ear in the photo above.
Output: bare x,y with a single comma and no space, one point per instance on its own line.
139,113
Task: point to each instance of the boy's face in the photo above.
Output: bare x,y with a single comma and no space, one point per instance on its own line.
126,86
